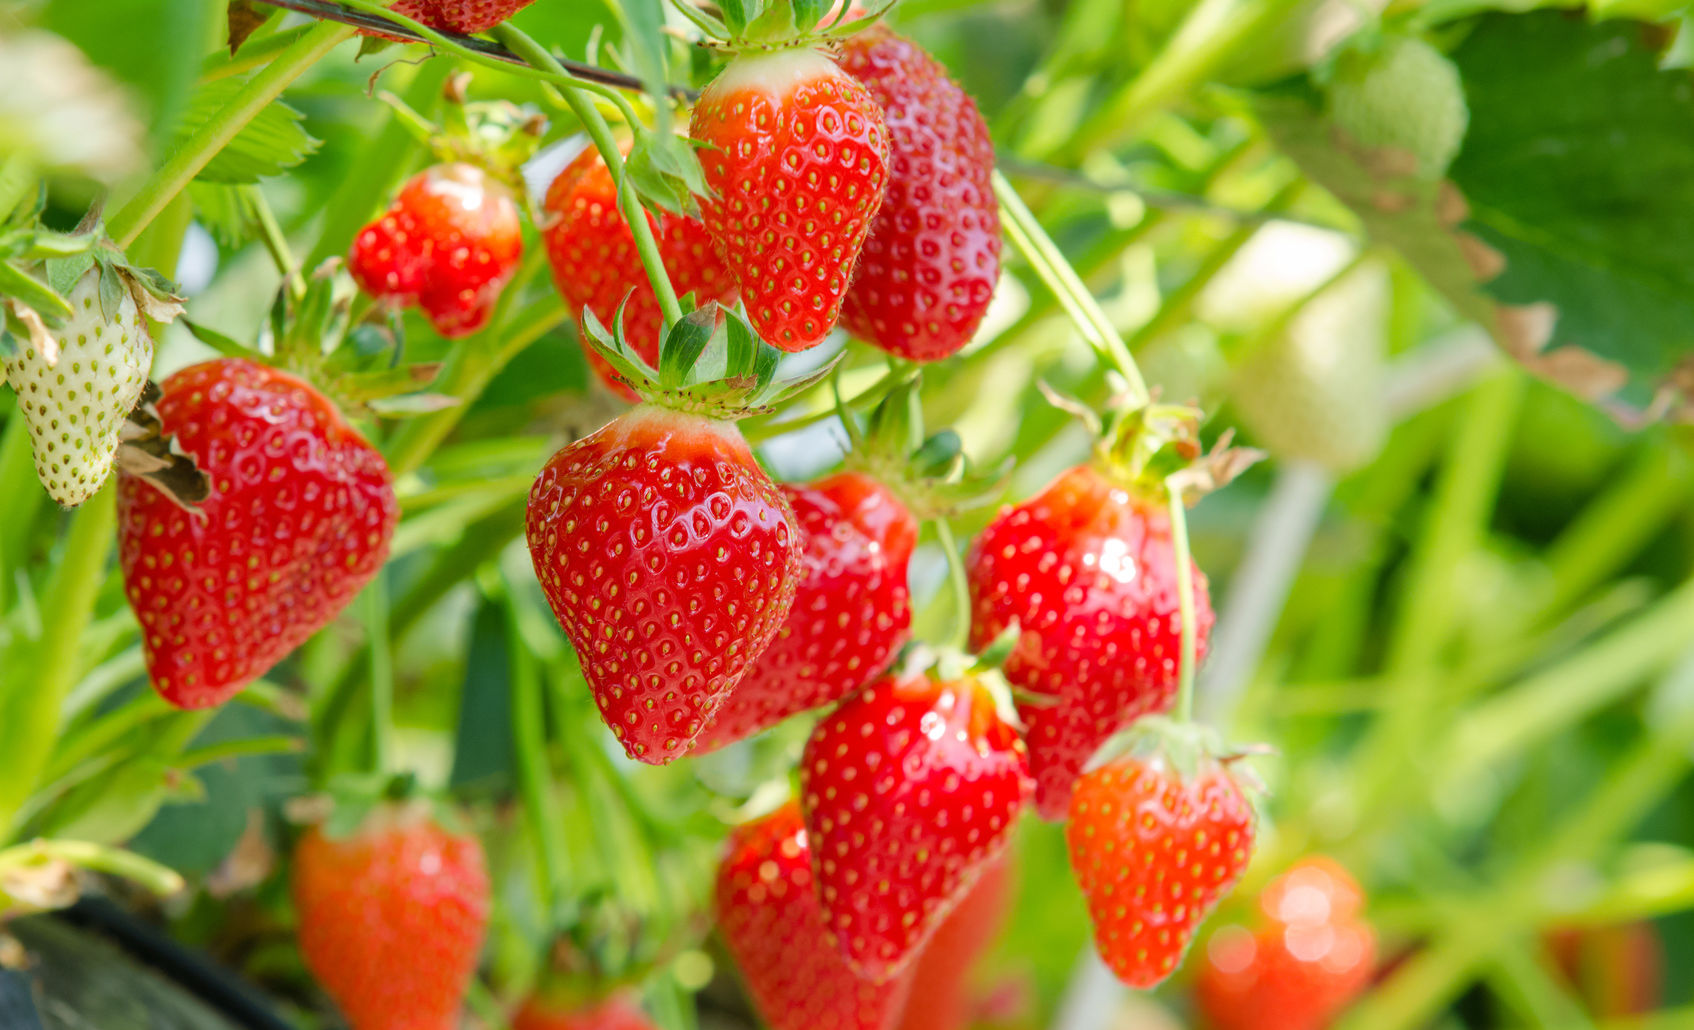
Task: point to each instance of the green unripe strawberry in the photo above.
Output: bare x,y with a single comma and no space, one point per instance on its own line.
1314,391
1403,95
75,406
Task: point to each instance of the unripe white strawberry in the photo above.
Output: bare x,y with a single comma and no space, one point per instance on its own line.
1402,95
75,406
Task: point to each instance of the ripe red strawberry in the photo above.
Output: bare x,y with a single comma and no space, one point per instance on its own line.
1315,891
932,260
392,918
449,244
461,16
910,789
297,522
618,1012
769,915
797,160
1088,571
670,559
944,968
851,614
1153,852
596,266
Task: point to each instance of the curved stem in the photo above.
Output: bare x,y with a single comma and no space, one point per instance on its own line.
1185,605
1044,257
601,133
213,136
959,583
98,857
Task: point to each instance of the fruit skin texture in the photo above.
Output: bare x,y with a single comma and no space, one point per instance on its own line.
75,410
619,1012
448,244
769,916
392,918
1406,96
1153,853
670,559
461,16
298,520
851,615
595,263
1301,967
944,968
1088,571
909,789
929,267
799,168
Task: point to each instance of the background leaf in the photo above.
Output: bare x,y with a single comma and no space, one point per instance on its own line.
270,143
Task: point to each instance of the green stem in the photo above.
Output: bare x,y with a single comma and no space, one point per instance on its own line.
97,857
223,751
382,675
601,133
271,234
17,176
200,148
29,715
20,499
1184,709
529,739
1050,265
958,581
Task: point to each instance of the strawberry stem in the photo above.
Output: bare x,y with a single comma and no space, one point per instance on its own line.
1184,710
382,675
1050,265
957,580
529,739
645,244
271,234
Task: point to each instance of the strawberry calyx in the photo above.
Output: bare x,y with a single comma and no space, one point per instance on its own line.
930,475
711,364
750,25
1189,749
497,136
354,803
353,362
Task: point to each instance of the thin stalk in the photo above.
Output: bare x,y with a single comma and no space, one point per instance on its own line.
200,148
382,675
1185,605
271,234
959,583
601,133
529,740
29,718
226,750
1050,265
98,857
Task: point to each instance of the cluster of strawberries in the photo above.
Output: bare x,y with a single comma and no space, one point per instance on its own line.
707,603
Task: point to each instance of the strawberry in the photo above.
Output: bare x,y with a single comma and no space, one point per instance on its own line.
297,521
931,262
796,156
74,403
392,918
1300,969
1400,95
448,244
1153,850
944,968
852,611
910,789
618,1012
1088,571
769,916
596,266
461,16
671,560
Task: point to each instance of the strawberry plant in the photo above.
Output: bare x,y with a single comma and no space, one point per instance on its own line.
879,515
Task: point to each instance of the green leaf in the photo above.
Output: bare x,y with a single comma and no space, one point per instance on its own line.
1579,173
272,142
222,210
683,346
225,345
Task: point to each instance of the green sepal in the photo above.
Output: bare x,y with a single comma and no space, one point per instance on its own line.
683,346
228,346
34,294
930,474
664,171
245,17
